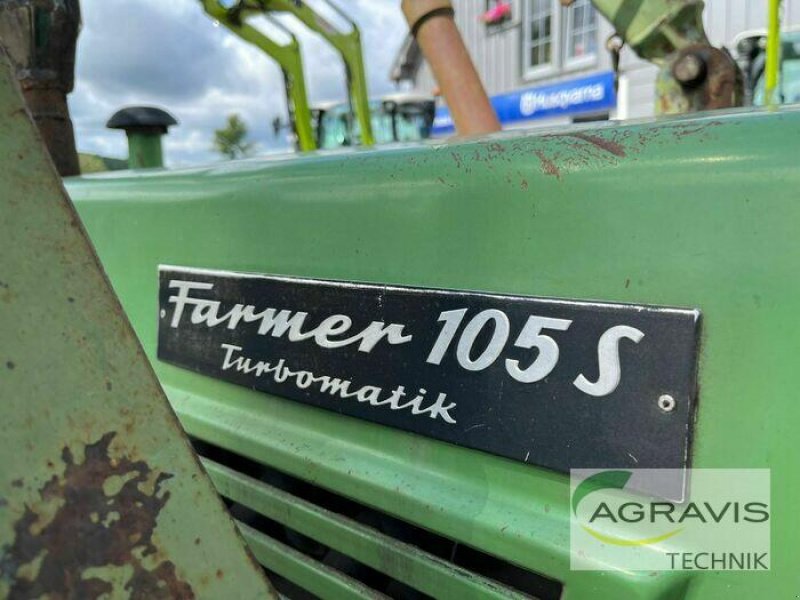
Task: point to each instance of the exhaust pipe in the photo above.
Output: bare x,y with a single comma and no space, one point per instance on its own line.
433,25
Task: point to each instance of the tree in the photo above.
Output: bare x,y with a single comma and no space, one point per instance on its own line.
230,140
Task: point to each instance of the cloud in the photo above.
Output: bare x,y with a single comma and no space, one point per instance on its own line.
170,54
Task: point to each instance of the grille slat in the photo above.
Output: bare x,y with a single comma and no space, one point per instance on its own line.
418,569
319,579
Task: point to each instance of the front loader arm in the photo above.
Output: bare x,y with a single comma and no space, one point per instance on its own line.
286,55
348,44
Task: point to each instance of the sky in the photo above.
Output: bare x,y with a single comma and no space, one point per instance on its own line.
172,55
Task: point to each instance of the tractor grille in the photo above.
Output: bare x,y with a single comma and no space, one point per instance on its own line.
314,543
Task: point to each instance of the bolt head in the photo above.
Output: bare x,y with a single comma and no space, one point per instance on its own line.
689,69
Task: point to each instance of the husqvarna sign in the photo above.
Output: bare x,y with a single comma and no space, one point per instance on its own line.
594,93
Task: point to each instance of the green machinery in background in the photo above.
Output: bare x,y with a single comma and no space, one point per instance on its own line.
347,44
693,75
398,117
752,50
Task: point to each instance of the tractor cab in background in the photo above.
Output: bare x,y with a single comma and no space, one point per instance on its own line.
751,55
398,117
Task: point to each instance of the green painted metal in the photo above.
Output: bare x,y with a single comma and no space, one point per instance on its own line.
319,579
420,570
286,55
697,212
144,149
100,493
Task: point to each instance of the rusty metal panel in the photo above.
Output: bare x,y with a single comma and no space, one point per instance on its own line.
100,493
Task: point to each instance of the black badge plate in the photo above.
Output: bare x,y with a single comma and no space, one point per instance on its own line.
557,383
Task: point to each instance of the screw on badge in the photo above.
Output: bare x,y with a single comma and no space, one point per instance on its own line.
666,403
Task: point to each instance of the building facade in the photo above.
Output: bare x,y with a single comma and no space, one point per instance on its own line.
543,63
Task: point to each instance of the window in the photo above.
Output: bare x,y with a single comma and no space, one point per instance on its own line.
581,31
558,37
538,30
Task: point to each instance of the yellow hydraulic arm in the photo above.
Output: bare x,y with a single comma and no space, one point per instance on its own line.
773,50
347,44
286,55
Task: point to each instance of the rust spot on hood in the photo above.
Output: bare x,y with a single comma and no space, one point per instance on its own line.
98,515
548,166
560,154
607,145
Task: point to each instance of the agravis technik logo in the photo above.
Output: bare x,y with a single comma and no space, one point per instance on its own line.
722,524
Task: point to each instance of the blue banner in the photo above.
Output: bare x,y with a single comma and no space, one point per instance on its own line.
594,93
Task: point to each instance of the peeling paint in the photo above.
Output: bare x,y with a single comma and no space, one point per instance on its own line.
92,530
548,166
566,152
604,144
